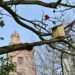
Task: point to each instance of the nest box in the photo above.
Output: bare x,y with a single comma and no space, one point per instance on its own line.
58,31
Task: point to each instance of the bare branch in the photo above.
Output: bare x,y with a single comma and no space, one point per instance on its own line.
57,3
16,18
60,50
70,24
69,43
50,5
23,46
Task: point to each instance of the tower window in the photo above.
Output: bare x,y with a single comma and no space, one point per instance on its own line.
18,73
20,60
11,57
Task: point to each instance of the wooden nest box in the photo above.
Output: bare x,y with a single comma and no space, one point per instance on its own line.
58,31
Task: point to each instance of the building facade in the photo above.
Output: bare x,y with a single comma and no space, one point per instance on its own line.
22,58
68,64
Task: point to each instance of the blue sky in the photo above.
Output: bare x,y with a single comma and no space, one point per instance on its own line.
30,12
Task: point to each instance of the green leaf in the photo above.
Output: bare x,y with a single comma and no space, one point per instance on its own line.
2,23
5,67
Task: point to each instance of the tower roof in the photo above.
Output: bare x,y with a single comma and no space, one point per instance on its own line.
15,38
15,34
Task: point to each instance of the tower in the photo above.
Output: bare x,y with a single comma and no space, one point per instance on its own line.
22,58
15,38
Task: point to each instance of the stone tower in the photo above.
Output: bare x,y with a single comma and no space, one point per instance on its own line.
22,58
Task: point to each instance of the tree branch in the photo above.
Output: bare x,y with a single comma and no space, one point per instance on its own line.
50,5
16,18
67,42
23,46
70,24
60,50
58,3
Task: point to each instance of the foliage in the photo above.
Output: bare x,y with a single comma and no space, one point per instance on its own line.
6,66
1,20
1,23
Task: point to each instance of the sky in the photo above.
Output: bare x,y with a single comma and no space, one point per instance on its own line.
31,12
